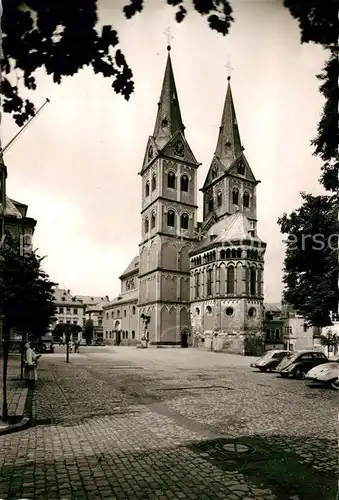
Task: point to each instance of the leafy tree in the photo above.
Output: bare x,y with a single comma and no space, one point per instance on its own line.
62,328
64,36
27,292
330,340
89,330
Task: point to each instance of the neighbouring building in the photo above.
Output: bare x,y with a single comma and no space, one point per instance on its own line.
95,313
196,283
274,326
72,309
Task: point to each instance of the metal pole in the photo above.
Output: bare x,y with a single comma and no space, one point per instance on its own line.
4,332
67,343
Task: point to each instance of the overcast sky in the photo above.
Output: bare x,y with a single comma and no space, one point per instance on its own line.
76,166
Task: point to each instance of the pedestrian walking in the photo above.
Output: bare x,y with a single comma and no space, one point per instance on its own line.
31,372
76,345
71,346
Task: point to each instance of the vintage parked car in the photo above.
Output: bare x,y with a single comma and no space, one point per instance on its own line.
326,373
299,363
45,344
270,360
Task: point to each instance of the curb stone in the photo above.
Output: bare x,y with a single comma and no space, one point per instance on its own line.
27,421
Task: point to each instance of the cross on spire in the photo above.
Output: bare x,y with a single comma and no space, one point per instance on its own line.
229,68
169,36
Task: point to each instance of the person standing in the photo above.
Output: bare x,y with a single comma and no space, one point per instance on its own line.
31,372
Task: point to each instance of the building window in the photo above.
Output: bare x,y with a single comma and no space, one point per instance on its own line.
219,199
253,281
184,221
252,312
305,327
112,314
68,309
171,218
75,322
197,285
229,311
197,311
290,329
147,189
126,334
214,172
241,168
154,182
208,310
210,205
184,183
277,334
235,197
146,225
118,312
107,315
268,333
75,311
99,322
209,281
125,313
230,279
61,310
153,221
133,309
123,334
133,334
246,200
171,180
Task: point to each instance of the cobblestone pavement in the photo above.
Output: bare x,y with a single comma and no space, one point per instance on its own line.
126,423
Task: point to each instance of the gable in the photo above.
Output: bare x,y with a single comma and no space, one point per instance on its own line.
216,171
150,153
178,149
248,174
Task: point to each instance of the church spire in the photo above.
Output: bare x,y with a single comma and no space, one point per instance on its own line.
168,120
229,145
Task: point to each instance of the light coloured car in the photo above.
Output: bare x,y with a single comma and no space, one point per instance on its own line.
270,360
326,373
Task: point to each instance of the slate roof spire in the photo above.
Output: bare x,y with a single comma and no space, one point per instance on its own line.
229,145
168,120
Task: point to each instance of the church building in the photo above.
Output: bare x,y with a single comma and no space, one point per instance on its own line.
195,283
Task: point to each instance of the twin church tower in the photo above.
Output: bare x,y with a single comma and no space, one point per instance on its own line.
200,282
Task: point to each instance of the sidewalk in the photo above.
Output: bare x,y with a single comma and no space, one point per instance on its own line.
18,400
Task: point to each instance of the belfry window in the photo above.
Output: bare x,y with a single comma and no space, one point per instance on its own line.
230,279
219,199
184,221
209,281
184,183
214,172
210,205
147,189
246,200
235,197
171,218
154,182
253,281
197,285
153,221
241,168
171,180
146,225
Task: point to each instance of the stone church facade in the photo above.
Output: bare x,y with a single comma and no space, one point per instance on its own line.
199,283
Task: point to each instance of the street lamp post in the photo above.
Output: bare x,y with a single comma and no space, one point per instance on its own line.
3,329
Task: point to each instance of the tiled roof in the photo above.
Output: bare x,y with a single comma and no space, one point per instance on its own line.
11,209
123,299
133,266
88,300
62,296
272,306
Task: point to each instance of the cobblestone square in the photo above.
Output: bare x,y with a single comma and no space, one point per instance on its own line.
126,423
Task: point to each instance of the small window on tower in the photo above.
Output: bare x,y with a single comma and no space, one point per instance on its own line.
184,221
214,172
171,180
246,200
235,197
184,183
210,205
146,225
171,218
153,221
154,182
241,168
147,189
219,199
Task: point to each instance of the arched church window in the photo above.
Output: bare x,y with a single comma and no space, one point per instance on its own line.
235,197
253,281
184,221
154,182
197,285
222,254
208,310
239,253
147,189
171,180
171,218
146,225
209,281
230,279
153,221
259,282
234,253
246,200
219,199
210,205
228,253
241,168
184,183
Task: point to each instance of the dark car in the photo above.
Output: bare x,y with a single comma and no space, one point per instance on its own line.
270,360
45,344
299,363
